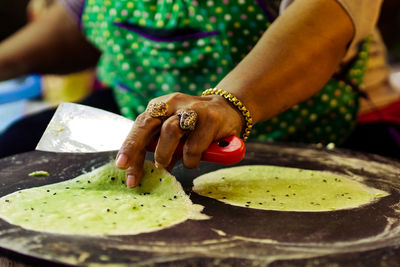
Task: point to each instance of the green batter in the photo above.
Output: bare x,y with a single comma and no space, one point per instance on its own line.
99,203
286,189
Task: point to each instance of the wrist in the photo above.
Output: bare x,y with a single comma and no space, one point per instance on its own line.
233,116
246,119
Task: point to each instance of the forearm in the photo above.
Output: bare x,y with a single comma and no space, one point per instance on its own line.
294,58
52,44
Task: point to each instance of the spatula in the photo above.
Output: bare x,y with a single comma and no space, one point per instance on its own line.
78,128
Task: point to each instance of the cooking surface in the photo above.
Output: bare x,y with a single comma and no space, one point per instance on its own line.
233,235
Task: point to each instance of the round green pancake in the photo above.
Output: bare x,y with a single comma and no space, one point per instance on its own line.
99,203
284,189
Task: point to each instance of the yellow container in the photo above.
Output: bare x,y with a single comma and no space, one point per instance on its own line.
67,88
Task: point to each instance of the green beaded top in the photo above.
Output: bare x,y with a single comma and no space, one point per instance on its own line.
156,47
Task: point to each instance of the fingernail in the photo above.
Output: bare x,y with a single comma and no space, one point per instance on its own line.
130,181
121,161
158,165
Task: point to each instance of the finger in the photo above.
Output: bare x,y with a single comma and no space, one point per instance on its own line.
172,163
170,136
198,142
141,134
135,172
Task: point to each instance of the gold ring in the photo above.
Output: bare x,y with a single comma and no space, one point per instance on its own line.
157,109
187,120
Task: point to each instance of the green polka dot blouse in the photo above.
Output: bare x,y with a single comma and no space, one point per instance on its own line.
156,47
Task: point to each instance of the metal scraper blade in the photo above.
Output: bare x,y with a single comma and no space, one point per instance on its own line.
79,128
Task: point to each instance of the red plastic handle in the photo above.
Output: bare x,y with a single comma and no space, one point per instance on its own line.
229,150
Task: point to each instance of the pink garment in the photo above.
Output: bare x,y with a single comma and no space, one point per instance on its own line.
74,7
390,113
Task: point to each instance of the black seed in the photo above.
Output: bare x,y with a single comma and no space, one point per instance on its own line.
342,195
267,191
146,193
82,188
349,198
169,198
312,203
260,203
294,194
32,209
209,192
47,190
88,182
248,202
289,186
115,212
134,207
324,181
273,199
287,195
7,200
67,187
140,185
152,170
323,198
160,179
164,206
141,205
108,210
105,196
77,181
112,178
223,178
122,182
54,194
223,197
175,197
276,178
247,205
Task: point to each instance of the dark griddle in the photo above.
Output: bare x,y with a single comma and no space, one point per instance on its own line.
366,236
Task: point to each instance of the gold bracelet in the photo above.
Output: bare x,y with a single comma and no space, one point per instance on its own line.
238,104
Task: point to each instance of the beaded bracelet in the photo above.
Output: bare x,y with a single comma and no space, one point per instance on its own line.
238,104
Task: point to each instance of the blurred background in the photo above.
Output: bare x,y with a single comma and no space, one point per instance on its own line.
25,95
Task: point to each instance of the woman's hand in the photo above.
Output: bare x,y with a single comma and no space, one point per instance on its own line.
216,119
283,69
